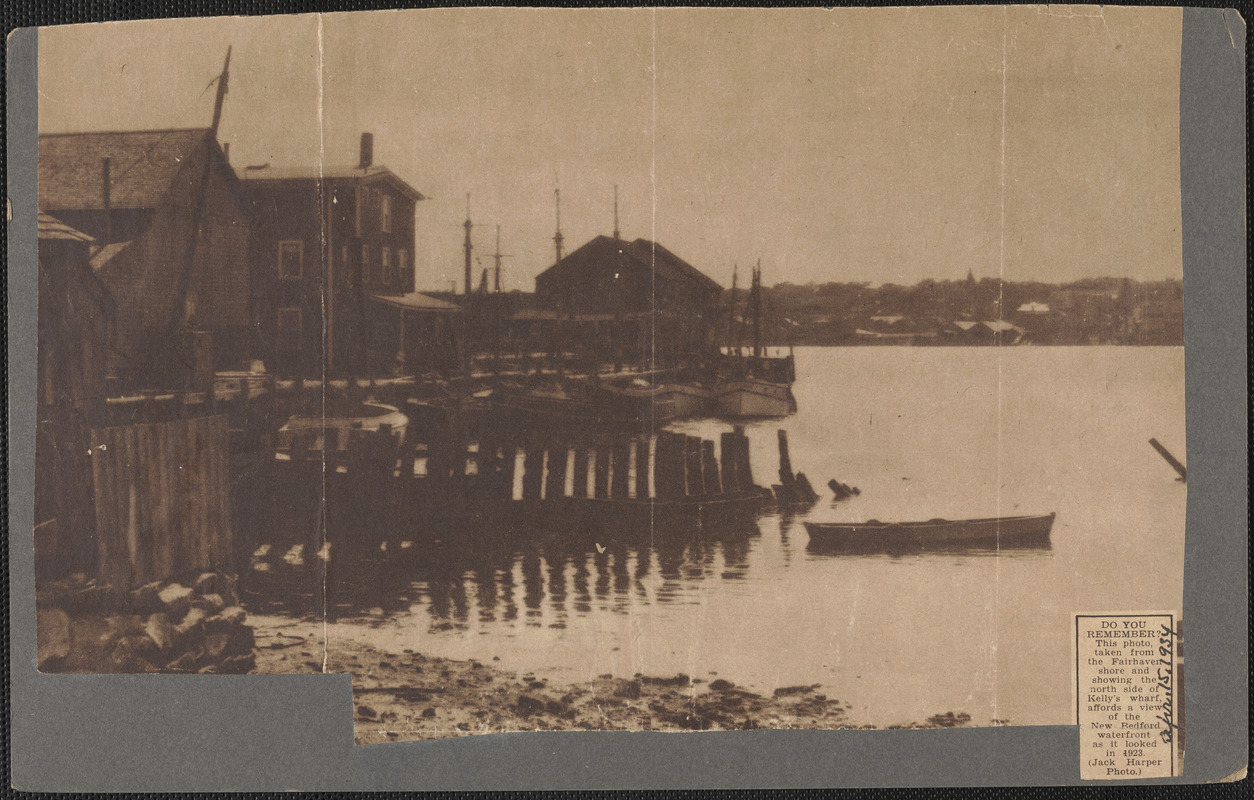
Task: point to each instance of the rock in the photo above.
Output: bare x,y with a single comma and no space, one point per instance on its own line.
721,685
160,630
53,637
225,620
206,583
629,689
146,599
213,603
184,663
528,705
679,680
215,645
366,712
242,641
785,691
238,665
193,618
428,712
177,598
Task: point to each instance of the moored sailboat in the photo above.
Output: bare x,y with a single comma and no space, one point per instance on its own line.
756,385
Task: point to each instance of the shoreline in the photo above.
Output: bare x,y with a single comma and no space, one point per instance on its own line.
411,696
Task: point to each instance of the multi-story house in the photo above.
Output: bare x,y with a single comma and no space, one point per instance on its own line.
333,270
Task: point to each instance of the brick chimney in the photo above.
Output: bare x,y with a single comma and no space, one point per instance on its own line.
367,150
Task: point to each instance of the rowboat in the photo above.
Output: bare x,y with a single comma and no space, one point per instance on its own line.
661,396
1024,531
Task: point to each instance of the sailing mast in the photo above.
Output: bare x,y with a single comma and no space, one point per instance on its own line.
755,299
181,313
467,225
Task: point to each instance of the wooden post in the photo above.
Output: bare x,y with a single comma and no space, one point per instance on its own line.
579,484
533,464
510,465
786,476
555,485
744,469
692,462
669,466
642,467
709,468
620,480
602,471
728,446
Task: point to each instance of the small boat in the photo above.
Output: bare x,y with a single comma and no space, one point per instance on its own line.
1022,531
658,396
753,397
337,426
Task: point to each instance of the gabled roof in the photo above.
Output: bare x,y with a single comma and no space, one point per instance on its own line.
647,254
371,173
417,301
142,166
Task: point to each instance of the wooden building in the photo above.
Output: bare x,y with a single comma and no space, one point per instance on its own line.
76,318
655,304
333,268
170,227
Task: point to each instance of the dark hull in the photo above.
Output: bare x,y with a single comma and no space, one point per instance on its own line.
994,532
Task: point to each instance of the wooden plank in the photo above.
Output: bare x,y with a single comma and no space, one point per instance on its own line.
709,468
148,482
579,486
103,499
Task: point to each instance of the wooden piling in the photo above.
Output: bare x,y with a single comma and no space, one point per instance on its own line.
579,487
785,463
621,453
601,476
642,467
509,467
728,447
709,468
555,483
533,466
669,466
744,469
692,462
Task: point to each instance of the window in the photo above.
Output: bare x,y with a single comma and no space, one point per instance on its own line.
403,271
385,255
385,213
365,263
288,329
291,259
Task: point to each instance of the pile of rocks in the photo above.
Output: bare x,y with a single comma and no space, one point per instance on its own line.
189,625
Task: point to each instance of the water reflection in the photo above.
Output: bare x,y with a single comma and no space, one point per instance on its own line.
550,577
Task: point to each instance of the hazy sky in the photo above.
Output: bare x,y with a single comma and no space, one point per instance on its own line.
849,144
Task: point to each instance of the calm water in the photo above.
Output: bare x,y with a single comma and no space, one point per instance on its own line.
923,432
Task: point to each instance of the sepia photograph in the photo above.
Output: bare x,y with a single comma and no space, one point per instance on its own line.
623,369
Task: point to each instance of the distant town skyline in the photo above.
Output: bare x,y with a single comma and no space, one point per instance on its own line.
885,145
